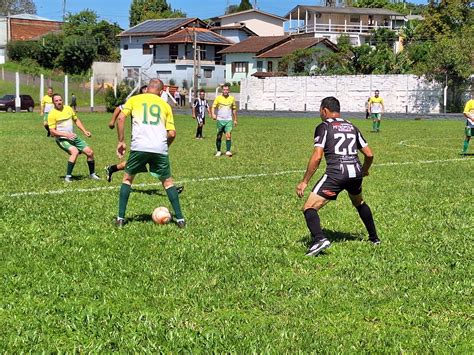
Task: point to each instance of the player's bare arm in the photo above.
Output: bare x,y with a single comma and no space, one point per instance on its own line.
234,114
82,128
114,117
313,165
213,113
121,146
171,135
368,159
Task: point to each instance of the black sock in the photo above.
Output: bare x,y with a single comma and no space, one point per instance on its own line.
197,132
366,216
218,143
91,164
70,166
200,131
113,169
313,223
47,130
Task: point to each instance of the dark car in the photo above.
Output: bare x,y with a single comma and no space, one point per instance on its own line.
7,103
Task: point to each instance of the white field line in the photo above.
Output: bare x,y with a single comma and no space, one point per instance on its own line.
409,145
216,178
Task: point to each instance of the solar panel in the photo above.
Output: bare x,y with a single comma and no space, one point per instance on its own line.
209,37
162,25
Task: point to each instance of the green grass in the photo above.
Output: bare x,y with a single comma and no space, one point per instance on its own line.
236,279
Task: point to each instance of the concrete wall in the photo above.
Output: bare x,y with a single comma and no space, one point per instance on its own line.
106,72
261,24
401,93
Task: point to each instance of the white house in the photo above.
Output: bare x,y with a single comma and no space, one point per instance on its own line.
163,48
263,54
259,22
331,22
235,33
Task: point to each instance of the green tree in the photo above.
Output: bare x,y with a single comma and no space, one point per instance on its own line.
102,33
77,54
245,5
141,10
19,50
371,3
50,49
14,7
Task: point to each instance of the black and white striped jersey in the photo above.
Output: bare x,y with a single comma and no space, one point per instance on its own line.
341,141
200,107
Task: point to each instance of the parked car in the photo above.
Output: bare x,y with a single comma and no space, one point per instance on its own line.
7,103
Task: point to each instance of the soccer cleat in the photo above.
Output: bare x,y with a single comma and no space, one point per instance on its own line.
119,222
179,189
218,154
318,247
228,153
108,173
68,178
181,223
94,176
375,240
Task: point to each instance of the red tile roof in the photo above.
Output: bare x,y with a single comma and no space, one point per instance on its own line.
256,44
294,44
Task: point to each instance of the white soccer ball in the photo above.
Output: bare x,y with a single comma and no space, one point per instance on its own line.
161,215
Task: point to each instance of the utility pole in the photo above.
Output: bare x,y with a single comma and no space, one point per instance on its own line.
195,64
64,10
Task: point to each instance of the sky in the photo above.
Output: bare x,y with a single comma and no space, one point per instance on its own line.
118,10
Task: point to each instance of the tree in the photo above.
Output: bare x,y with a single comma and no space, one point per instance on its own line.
371,3
102,33
14,7
50,49
77,54
245,5
141,10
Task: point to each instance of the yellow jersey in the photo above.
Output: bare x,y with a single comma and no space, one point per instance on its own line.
63,120
47,103
469,109
376,104
224,106
152,118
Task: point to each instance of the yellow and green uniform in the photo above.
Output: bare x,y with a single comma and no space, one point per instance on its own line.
47,105
152,118
63,121
225,106
469,109
376,106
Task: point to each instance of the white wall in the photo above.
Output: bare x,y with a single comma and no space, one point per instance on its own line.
106,71
261,24
400,93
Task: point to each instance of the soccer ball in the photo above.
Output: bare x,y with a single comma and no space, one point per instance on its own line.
161,215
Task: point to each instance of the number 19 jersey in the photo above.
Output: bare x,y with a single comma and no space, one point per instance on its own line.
340,140
151,119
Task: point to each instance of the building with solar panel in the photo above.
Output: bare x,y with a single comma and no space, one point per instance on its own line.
164,49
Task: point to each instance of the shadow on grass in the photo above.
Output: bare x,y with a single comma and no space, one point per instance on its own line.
76,177
468,154
159,191
333,236
144,218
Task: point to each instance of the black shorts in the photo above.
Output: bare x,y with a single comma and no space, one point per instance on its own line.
201,120
329,186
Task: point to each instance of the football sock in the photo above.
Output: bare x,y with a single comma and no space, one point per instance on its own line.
200,131
466,146
123,201
70,166
47,130
228,144
91,165
313,223
366,216
113,169
374,125
378,125
218,143
172,193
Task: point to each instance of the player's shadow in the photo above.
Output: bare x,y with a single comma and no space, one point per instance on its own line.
140,218
468,154
76,177
160,192
333,236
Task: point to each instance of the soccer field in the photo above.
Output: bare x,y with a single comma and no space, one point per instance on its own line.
236,278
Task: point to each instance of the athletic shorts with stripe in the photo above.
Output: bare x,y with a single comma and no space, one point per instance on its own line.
329,186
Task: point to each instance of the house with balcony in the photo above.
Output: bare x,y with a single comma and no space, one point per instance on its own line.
164,48
331,22
261,55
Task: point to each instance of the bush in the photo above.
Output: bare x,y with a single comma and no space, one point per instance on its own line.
49,50
111,102
19,50
77,55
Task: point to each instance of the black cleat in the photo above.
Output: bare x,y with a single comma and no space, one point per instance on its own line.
120,222
318,247
181,223
179,189
108,173
375,240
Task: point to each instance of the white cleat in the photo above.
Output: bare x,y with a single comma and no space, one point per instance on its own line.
94,176
218,154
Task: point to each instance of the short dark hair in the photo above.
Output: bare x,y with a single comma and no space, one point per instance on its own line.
143,88
331,103
202,90
56,94
226,84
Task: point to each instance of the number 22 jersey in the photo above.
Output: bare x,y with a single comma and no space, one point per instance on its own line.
340,140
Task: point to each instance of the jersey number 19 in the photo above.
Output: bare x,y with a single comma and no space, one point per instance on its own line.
154,112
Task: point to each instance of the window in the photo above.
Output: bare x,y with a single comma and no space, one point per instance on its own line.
173,52
202,52
133,72
259,65
146,49
355,18
270,67
208,73
125,47
240,67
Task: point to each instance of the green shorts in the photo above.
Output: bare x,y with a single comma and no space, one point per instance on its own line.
45,116
469,131
376,116
224,126
65,144
159,164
